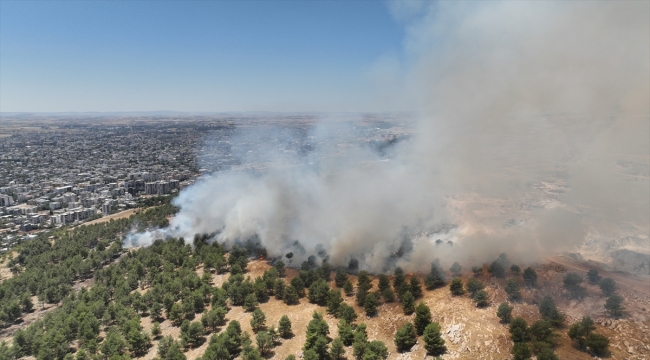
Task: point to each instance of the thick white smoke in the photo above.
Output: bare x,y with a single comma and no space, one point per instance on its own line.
533,132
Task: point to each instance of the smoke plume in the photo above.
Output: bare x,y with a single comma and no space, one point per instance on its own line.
532,134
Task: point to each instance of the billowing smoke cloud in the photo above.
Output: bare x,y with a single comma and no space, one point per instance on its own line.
532,134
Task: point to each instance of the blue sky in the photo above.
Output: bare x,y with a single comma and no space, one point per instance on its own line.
195,55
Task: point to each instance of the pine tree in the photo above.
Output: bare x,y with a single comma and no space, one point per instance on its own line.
456,287
481,298
422,317
504,312
512,289
384,283
347,313
345,332
408,303
341,277
337,351
614,305
436,277
348,288
593,277
405,337
474,285
433,341
279,288
549,311
334,300
530,277
414,287
455,269
291,296
258,320
370,304
520,351
608,286
250,302
519,330
284,327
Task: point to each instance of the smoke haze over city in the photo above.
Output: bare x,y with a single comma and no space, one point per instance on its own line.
527,132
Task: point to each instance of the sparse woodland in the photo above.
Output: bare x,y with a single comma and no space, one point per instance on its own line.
172,281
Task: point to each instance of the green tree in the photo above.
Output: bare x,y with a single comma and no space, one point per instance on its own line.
608,286
547,354
512,289
519,330
284,327
593,277
436,277
405,337
541,335
456,287
214,318
258,320
414,287
473,285
250,302
264,342
455,269
156,330
614,306
341,277
347,313
384,283
291,295
114,344
334,300
422,317
280,267
370,305
572,283
279,288
530,277
597,343
345,332
337,351
515,269
318,292
579,331
520,351
360,343
481,298
388,295
376,350
433,341
408,303
549,311
348,288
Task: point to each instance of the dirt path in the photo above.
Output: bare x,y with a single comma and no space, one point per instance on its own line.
630,281
119,215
